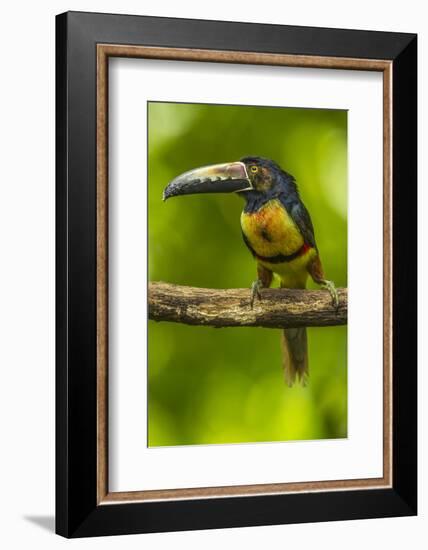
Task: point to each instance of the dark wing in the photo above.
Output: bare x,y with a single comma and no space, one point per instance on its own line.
303,221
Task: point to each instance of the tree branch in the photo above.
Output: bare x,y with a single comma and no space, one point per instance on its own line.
278,308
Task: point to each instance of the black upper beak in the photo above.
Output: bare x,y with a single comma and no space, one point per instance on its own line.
217,178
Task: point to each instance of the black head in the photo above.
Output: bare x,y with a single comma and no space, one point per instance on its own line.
267,177
268,181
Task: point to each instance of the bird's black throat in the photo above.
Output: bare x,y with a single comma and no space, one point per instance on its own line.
254,200
283,187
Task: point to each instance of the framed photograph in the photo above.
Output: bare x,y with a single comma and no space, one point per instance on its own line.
236,274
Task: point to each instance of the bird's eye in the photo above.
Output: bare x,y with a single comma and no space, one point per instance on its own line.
254,169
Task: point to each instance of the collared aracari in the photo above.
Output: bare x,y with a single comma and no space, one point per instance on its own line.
278,231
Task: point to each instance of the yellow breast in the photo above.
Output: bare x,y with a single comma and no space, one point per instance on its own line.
271,231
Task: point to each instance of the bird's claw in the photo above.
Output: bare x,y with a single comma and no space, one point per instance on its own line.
255,291
331,287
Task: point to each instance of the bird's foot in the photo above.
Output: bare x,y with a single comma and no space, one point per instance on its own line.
255,291
331,287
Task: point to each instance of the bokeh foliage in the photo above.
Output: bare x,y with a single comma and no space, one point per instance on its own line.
209,385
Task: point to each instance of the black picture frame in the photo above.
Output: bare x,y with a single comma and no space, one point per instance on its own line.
77,512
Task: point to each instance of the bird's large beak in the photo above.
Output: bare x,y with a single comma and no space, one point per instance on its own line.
217,178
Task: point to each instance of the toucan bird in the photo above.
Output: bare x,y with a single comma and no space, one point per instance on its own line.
278,231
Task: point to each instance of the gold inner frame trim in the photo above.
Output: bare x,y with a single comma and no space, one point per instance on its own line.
104,51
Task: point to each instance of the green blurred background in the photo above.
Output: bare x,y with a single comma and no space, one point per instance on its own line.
209,385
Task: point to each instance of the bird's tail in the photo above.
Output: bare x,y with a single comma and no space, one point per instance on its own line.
295,355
